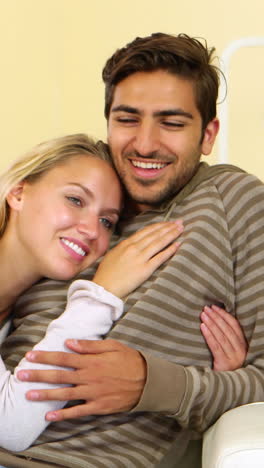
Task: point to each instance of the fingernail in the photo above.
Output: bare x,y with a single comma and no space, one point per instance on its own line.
51,416
178,223
72,342
30,355
33,395
204,317
23,375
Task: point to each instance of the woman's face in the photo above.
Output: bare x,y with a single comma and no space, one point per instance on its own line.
63,221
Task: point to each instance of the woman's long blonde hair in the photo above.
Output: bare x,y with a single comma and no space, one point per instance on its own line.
40,159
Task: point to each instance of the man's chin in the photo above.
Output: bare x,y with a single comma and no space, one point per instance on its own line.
148,200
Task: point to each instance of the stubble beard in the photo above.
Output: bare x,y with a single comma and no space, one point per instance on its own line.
165,193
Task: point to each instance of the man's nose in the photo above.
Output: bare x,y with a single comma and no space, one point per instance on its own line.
89,227
146,140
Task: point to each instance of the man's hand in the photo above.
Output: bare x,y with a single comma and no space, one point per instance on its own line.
224,337
108,375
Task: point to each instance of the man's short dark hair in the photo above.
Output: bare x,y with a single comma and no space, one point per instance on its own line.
181,55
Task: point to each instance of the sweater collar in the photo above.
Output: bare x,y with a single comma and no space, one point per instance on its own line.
203,173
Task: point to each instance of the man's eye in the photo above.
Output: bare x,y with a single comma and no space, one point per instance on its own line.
126,120
107,223
171,124
75,200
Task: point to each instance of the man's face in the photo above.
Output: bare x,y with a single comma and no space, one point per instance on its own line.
155,135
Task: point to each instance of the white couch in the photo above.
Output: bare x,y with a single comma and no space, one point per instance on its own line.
236,440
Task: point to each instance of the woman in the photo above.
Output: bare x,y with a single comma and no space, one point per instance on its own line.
58,207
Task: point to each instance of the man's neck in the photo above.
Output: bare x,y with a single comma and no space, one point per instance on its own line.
133,208
4,314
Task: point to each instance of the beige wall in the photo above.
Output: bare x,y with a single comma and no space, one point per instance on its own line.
52,53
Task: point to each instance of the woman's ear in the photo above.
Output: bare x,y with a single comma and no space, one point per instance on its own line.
15,197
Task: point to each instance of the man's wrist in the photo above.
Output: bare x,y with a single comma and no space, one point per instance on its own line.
164,388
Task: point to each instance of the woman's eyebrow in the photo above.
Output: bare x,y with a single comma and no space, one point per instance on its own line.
114,211
81,186
92,195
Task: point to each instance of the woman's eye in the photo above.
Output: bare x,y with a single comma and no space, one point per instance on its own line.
107,223
75,200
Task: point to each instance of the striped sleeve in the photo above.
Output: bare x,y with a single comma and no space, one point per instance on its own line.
197,396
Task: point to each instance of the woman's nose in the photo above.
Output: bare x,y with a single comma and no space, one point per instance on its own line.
89,227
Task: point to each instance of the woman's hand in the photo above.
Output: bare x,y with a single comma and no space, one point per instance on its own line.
224,337
133,260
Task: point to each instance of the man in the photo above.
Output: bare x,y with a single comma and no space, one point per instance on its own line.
161,94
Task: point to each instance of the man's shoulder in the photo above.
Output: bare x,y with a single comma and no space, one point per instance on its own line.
226,178
223,191
238,194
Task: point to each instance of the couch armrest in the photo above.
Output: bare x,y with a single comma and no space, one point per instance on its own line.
236,440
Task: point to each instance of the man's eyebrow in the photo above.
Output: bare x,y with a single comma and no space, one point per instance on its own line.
124,108
159,113
173,112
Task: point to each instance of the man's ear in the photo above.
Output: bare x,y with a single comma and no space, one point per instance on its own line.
209,137
15,196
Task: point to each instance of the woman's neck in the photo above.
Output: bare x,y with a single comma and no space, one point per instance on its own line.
15,275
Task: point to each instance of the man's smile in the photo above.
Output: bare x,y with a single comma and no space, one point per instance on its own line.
148,165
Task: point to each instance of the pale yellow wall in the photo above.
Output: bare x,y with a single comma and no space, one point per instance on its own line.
52,53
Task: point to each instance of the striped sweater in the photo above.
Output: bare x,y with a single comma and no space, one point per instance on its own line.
220,261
